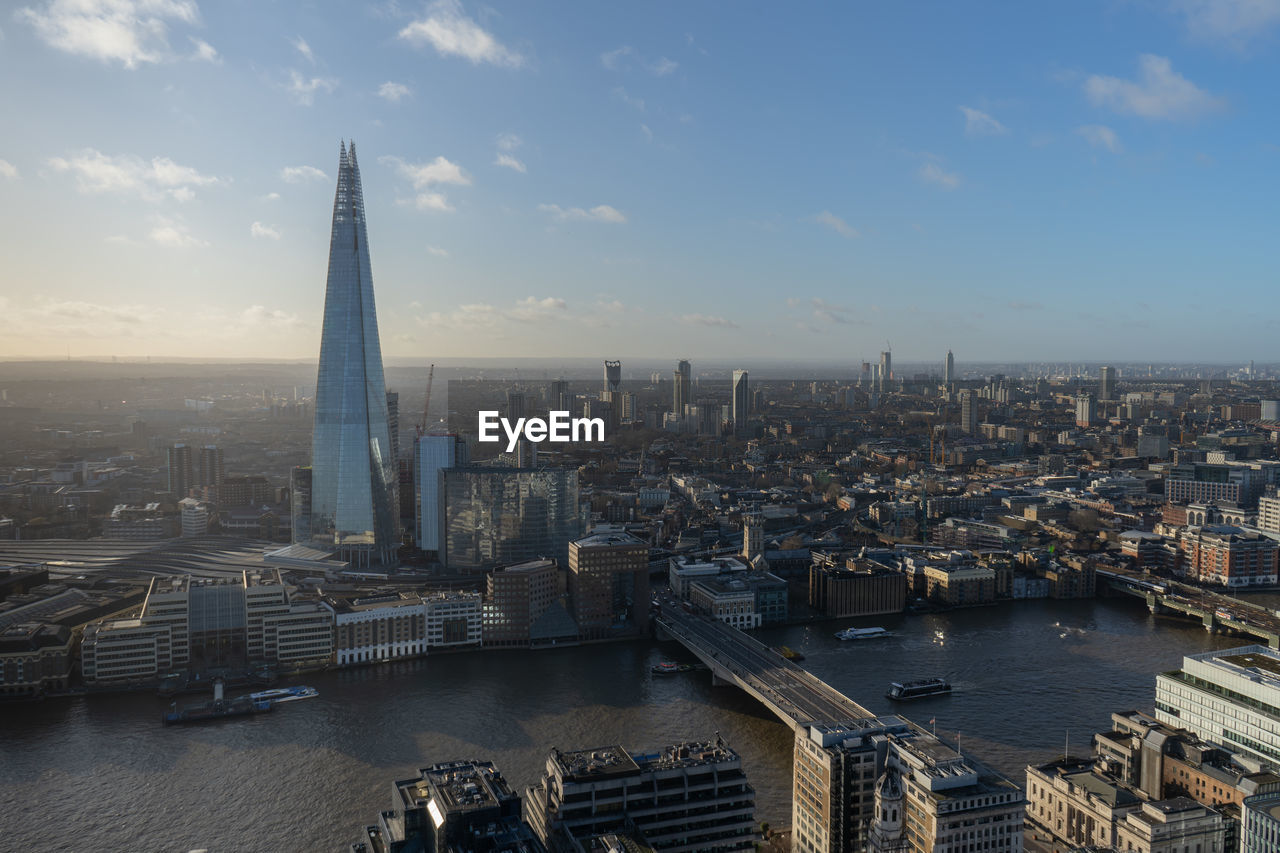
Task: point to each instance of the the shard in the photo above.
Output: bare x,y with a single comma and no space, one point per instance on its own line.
353,473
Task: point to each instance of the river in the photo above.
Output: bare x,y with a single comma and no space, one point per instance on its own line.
102,773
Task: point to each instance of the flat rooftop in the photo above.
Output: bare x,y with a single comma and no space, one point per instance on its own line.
457,786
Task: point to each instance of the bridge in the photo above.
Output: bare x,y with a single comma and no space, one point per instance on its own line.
1215,611
795,695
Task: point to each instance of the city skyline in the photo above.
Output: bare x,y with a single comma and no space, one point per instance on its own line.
764,184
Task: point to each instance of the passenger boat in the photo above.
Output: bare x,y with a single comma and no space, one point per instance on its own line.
668,667
861,633
284,694
901,691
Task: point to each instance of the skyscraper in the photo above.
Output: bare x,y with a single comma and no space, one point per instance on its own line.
682,387
968,411
353,472
741,400
1107,384
180,470
210,471
949,370
612,375
886,371
432,454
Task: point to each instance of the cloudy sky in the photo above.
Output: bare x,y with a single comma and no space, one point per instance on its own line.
1087,180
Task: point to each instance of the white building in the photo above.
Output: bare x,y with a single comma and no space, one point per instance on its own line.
378,628
195,517
454,619
1229,697
682,571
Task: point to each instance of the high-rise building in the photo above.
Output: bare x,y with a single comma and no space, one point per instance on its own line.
496,516
741,400
393,422
517,405
681,387
969,412
1086,410
609,585
353,472
886,371
181,474
612,376
209,470
1107,384
949,370
432,454
559,397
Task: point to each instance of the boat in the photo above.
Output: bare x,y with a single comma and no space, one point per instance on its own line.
901,691
216,709
861,633
790,653
284,694
667,667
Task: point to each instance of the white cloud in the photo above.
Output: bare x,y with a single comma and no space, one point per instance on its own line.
663,66
1101,136
978,123
934,174
260,315
1235,22
431,201
174,235
830,313
205,52
267,232
271,197
101,173
612,59
438,252
621,94
648,134
471,317
8,171
304,89
78,319
532,309
1159,92
130,32
393,92
620,59
452,33
835,223
509,142
705,320
599,213
510,162
300,45
302,174
426,175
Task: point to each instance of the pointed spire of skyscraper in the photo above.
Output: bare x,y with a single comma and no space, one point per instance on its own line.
353,476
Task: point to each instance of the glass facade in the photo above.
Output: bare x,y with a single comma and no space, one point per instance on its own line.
433,453
500,516
353,471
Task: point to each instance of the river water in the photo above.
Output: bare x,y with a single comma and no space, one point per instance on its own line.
102,773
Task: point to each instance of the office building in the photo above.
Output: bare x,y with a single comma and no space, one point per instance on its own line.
559,398
744,600
527,604
855,588
1107,384
741,401
35,659
609,585
194,515
203,625
377,628
517,405
681,387
245,490
500,516
353,509
949,370
454,620
181,470
686,797
682,571
1260,824
1229,697
433,454
1228,556
886,372
454,807
393,423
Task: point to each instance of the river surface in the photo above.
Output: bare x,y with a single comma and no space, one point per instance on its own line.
102,773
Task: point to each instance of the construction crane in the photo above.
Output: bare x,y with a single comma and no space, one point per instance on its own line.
426,404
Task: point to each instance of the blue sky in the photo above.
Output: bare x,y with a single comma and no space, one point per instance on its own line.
1070,180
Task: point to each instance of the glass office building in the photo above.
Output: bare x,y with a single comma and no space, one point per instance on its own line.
499,516
353,471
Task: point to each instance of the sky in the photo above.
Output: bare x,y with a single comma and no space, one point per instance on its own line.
1087,180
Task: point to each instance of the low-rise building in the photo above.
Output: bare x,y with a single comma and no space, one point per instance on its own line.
378,628
35,659
526,604
855,587
1166,826
683,571
454,620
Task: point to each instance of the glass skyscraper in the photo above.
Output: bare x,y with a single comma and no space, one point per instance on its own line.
353,471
